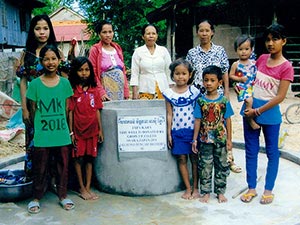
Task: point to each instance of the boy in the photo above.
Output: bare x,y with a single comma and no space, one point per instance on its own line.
213,131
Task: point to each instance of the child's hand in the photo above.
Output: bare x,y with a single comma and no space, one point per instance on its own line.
194,147
243,79
229,145
170,141
100,137
73,139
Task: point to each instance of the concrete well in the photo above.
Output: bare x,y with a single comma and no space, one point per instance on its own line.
134,159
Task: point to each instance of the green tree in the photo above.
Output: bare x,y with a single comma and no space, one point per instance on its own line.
127,17
51,6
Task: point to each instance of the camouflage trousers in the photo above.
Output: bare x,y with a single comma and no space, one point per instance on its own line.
212,157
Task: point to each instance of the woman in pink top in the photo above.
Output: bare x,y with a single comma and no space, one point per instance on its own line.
108,62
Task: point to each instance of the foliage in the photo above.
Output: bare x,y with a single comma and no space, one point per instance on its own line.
128,17
211,2
51,6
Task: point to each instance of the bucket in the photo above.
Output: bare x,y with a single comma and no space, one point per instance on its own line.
13,186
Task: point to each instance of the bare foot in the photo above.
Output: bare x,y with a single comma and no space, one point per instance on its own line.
221,198
187,194
253,124
195,194
204,198
93,195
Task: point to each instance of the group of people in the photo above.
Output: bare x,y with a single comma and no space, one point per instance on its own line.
61,105
199,111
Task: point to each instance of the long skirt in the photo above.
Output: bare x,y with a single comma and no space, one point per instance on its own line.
113,83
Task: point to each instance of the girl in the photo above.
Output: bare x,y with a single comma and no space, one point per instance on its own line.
180,100
274,75
108,63
213,129
47,96
84,121
40,33
243,72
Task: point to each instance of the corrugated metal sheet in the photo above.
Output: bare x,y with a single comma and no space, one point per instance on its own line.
66,32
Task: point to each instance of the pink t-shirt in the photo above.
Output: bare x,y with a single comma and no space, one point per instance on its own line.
267,80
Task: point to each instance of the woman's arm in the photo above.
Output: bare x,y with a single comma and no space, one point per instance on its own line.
23,89
135,72
281,94
226,84
93,57
32,111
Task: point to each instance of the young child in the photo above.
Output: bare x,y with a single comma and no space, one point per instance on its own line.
243,72
47,96
84,122
274,75
213,130
180,101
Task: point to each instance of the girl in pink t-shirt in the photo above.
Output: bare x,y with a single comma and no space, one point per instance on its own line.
274,75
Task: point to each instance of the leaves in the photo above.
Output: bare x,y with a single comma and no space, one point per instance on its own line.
128,17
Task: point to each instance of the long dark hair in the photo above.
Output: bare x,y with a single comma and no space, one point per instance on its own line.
75,66
31,43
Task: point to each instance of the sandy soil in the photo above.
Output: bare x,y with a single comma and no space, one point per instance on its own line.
291,143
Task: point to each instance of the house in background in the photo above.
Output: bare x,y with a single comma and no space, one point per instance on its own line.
69,25
232,17
15,16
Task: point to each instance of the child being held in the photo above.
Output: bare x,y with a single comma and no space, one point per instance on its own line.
243,72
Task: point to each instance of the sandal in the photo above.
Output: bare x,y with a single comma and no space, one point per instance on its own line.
67,204
235,168
33,207
266,199
248,197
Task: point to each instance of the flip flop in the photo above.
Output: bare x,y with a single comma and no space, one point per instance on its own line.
246,197
33,204
65,202
84,196
266,199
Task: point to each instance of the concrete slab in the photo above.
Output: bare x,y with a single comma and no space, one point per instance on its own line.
171,209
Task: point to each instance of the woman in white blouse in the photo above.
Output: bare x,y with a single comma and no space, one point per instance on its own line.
150,74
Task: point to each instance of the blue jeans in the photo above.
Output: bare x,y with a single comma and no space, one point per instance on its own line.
271,134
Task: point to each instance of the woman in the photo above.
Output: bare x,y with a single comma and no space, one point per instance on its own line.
108,62
150,67
206,54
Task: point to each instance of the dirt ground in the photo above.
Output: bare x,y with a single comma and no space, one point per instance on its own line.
16,145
